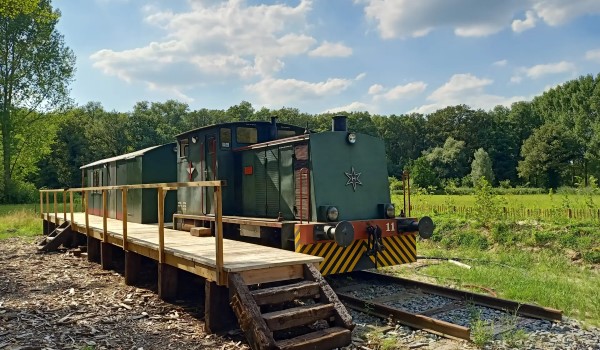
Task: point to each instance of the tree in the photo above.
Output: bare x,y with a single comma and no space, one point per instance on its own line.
548,154
423,175
449,161
35,71
481,167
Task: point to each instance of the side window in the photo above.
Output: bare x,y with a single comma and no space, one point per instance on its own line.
246,135
183,148
225,137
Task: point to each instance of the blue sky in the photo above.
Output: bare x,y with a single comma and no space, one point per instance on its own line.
381,56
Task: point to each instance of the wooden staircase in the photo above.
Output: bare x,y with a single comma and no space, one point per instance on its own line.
297,315
61,235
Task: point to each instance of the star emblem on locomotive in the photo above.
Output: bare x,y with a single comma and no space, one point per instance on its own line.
353,178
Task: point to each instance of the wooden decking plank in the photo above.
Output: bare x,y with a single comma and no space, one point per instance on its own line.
238,256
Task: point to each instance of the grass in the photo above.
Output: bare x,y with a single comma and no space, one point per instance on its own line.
530,201
553,265
23,221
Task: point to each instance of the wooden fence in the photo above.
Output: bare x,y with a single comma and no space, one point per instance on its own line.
513,213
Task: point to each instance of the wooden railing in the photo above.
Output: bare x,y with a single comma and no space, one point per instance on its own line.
162,189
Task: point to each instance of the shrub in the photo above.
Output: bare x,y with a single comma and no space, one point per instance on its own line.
592,256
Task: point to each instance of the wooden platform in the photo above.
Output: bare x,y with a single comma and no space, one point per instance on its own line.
255,263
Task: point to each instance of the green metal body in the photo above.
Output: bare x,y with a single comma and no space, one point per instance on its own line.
151,165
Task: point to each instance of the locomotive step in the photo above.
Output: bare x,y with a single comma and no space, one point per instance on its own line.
285,293
335,337
297,316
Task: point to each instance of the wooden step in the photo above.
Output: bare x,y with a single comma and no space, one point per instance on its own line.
297,316
288,292
335,337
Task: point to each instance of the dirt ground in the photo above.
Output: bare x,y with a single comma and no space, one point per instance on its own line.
61,301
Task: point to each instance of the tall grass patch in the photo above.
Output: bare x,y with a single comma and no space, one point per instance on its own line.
19,220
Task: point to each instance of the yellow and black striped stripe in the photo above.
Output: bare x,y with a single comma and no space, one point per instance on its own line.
336,259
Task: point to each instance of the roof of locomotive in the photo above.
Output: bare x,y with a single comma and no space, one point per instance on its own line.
247,122
130,155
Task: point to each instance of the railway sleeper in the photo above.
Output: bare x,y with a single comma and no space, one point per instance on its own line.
295,314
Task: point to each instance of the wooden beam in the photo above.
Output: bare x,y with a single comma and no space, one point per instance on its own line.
65,205
342,317
273,274
155,185
71,207
48,206
161,225
248,314
41,205
124,216
86,210
133,262
167,281
106,255
93,249
218,315
219,235
55,210
104,216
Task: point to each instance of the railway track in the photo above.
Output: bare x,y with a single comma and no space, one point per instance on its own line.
440,310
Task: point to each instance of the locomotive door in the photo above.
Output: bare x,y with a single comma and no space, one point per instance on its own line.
210,172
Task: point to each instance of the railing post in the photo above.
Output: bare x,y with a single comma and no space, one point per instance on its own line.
219,235
55,210
47,211
104,217
161,225
71,207
86,198
124,216
41,204
64,205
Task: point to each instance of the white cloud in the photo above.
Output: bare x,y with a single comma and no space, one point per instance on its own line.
541,70
328,49
593,55
464,89
516,79
352,107
557,12
410,18
398,92
500,63
519,25
293,90
212,41
375,89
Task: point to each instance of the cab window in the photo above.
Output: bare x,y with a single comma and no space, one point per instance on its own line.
183,148
246,135
225,136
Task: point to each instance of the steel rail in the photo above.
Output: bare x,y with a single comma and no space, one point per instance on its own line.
522,309
424,320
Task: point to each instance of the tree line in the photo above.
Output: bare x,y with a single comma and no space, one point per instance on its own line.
551,141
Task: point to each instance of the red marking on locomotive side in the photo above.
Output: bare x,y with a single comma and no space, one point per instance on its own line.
248,170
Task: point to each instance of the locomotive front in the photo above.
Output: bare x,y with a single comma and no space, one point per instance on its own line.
353,222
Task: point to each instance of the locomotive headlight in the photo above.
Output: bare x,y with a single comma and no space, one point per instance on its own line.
351,138
332,214
390,211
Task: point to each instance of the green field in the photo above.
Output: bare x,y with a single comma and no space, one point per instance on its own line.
531,201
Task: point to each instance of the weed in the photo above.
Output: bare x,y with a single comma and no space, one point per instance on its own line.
379,341
482,331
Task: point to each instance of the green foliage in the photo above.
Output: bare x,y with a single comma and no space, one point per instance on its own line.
482,331
487,205
423,175
548,153
34,77
449,161
481,167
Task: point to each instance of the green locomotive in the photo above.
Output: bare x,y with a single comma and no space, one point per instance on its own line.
325,194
